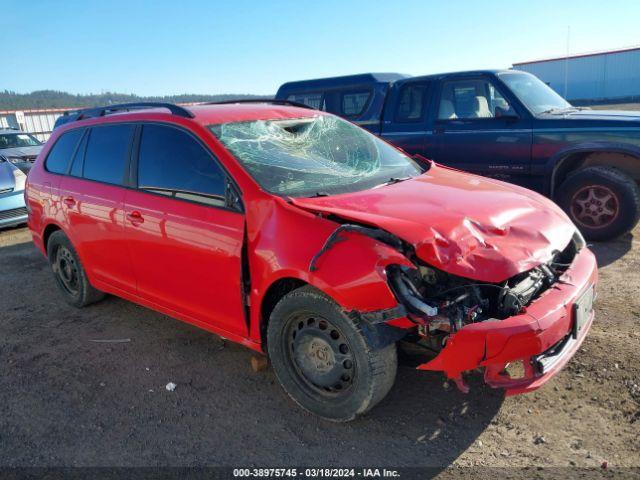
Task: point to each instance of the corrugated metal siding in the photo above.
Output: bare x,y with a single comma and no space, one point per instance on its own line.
38,122
606,76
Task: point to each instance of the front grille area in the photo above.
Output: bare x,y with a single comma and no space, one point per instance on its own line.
13,213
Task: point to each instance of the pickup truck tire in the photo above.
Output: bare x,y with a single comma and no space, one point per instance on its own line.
323,360
69,272
602,201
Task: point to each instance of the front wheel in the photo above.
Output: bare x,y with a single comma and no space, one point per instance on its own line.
322,359
603,202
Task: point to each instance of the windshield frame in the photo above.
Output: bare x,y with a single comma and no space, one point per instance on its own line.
330,190
10,134
534,109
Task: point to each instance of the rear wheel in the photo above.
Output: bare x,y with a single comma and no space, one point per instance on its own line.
603,202
69,273
322,359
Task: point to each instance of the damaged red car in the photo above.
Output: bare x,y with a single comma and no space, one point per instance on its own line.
304,237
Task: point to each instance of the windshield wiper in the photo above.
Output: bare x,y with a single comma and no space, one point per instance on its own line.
559,110
319,194
393,180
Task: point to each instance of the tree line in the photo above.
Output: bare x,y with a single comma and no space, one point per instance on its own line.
54,99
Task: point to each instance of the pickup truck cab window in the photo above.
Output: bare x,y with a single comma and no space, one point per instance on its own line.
172,163
107,153
477,98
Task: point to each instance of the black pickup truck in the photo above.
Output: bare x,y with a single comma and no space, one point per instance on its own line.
505,124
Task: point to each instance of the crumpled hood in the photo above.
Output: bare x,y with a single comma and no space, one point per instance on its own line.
470,226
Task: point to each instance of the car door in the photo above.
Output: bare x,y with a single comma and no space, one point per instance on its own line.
478,130
405,118
184,237
92,198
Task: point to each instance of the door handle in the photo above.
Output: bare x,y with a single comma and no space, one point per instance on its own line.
69,201
135,217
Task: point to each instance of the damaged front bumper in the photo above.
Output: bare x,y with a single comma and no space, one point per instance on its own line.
542,337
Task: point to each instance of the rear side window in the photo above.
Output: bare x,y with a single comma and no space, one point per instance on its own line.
61,153
412,102
353,103
107,153
172,162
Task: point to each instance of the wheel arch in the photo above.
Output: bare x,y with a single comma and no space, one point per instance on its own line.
624,157
278,289
48,230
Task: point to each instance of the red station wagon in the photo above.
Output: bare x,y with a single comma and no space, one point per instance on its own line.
304,237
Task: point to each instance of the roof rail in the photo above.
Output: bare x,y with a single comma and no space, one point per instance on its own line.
75,115
263,100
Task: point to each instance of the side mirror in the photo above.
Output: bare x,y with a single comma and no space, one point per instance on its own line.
506,113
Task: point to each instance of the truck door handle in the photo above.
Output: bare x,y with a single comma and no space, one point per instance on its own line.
135,217
438,130
69,201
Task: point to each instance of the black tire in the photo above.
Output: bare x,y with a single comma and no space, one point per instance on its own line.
589,195
337,354
69,272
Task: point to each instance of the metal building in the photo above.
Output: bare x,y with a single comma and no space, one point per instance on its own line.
591,78
38,122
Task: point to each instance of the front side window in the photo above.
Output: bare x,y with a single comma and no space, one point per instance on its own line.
474,98
60,155
311,156
173,163
411,103
107,153
353,103
537,96
18,140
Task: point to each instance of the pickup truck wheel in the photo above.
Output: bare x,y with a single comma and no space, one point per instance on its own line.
603,202
322,359
69,273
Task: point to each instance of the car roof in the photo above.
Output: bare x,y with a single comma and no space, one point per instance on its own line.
462,74
204,114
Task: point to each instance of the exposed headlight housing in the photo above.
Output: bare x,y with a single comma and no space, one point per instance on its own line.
579,241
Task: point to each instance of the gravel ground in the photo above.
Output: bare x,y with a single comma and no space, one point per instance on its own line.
67,400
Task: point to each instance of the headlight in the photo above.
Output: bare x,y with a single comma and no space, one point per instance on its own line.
579,241
15,159
20,179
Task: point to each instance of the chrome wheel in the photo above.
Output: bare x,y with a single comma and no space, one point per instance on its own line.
319,355
595,206
66,269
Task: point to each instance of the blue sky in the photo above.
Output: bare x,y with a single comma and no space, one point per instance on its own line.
249,46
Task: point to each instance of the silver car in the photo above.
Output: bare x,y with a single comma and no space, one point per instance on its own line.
12,207
19,148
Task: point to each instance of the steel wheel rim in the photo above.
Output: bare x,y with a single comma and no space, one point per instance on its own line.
319,356
67,270
595,206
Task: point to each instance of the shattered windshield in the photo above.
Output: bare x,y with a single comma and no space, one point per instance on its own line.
313,156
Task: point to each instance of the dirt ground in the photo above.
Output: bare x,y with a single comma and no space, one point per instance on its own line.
67,400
